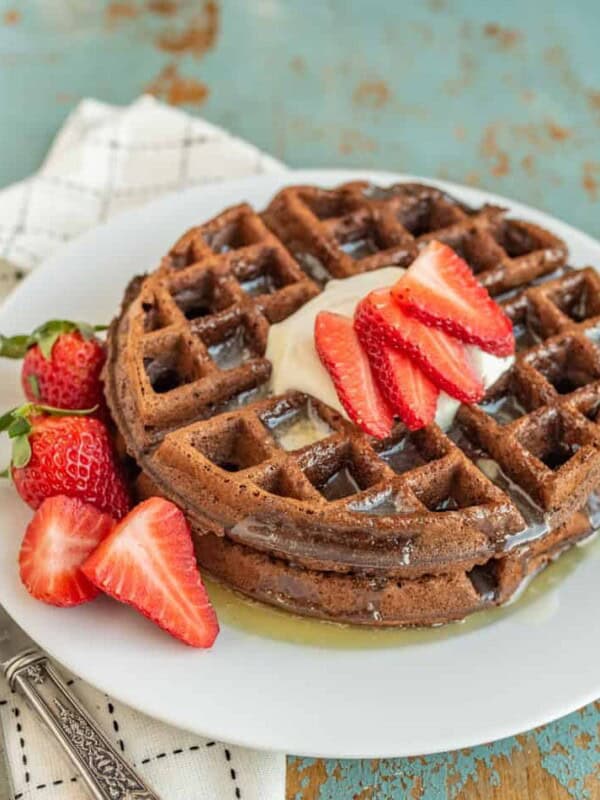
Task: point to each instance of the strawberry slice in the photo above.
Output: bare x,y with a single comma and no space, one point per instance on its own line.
406,387
343,357
441,357
440,290
148,562
59,538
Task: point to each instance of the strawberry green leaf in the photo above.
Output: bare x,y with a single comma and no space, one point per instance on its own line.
19,427
5,473
14,346
34,385
47,334
87,331
21,452
7,419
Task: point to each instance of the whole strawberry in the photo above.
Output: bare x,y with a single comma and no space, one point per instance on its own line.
63,452
62,362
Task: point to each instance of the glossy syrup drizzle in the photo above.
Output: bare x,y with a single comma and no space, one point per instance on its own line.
536,522
533,603
299,427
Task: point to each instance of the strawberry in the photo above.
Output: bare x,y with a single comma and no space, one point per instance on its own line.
62,362
59,538
441,357
440,290
407,389
63,452
148,562
343,357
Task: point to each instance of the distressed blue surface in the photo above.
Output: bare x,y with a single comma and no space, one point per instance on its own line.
568,750
505,96
429,87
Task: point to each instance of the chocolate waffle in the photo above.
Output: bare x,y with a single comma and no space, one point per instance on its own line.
419,529
357,227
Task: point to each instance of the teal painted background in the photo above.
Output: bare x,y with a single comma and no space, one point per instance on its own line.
500,95
505,95
567,750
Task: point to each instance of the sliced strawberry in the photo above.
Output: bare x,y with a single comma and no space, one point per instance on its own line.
440,290
342,355
407,389
59,538
441,357
148,562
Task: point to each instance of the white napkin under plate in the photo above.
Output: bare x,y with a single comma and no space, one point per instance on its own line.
106,159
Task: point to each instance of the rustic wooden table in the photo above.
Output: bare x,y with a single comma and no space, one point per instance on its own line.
504,96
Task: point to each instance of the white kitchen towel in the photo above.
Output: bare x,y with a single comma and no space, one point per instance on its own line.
106,159
176,764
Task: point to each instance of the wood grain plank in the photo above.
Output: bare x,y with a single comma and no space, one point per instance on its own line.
517,774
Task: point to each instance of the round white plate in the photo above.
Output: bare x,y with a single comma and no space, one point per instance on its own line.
518,672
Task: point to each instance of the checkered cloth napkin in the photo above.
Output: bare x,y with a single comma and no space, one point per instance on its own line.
104,160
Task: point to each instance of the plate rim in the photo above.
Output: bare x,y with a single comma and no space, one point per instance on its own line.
51,264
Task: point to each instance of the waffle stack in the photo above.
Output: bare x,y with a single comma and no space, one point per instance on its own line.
291,503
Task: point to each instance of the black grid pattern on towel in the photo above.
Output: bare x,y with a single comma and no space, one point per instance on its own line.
28,784
15,238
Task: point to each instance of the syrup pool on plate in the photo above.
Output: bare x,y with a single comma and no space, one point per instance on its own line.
534,602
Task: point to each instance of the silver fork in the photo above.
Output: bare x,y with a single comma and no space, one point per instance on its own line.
105,773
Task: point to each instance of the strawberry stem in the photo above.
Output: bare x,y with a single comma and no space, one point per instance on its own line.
62,412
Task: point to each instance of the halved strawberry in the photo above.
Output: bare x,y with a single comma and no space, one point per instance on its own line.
59,538
406,387
342,355
440,290
148,562
441,357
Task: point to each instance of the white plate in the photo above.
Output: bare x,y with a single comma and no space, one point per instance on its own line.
520,671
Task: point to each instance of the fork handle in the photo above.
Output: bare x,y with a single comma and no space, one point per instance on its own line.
106,775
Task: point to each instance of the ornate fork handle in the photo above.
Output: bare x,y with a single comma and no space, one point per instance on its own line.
105,773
